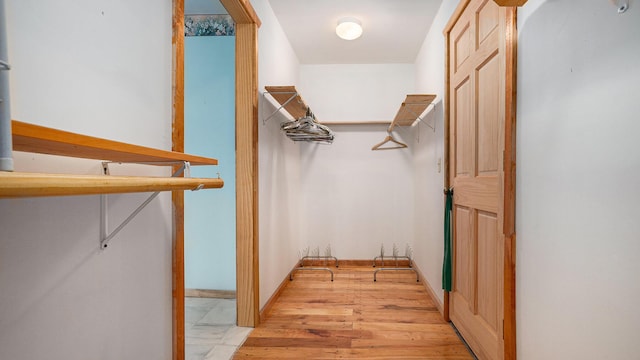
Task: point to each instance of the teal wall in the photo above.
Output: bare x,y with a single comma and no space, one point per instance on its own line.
210,215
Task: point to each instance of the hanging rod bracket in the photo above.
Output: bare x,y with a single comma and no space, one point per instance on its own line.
4,65
105,236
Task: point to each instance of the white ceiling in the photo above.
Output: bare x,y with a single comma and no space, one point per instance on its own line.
394,30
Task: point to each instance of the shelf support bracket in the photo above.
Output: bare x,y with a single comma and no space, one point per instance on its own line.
421,119
293,96
105,237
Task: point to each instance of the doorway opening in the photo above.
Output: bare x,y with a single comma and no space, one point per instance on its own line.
210,218
246,183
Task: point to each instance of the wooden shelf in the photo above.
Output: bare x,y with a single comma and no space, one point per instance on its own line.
18,184
410,111
44,140
412,107
282,94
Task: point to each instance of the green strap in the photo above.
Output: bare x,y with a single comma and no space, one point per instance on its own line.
446,262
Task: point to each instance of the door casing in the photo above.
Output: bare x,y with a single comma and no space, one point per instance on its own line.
247,281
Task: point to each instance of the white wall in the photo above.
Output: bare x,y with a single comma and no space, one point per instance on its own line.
428,155
210,128
353,198
577,184
278,160
356,92
103,69
578,167
364,192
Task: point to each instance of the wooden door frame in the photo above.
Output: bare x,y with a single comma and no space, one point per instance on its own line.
509,280
246,55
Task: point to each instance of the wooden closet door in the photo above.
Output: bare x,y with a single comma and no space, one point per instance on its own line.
476,80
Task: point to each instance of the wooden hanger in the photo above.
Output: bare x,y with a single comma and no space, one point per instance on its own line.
389,138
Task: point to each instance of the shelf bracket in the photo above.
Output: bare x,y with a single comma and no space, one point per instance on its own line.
105,236
420,119
293,96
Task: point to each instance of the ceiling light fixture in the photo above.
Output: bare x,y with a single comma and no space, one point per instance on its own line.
349,28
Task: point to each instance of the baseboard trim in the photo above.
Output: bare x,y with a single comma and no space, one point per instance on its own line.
266,309
352,262
430,290
214,294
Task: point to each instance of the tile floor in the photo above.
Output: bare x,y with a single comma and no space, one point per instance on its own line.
211,333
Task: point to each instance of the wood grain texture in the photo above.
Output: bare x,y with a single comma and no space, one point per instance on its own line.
510,185
479,192
177,197
369,262
445,307
266,309
18,184
510,3
462,5
431,291
178,276
412,107
44,140
247,277
296,107
246,166
241,11
353,318
211,294
478,137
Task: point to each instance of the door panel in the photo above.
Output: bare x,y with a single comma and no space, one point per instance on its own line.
487,20
488,115
488,259
464,100
464,259
476,192
462,45
476,146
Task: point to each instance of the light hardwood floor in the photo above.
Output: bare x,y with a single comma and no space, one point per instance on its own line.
353,317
